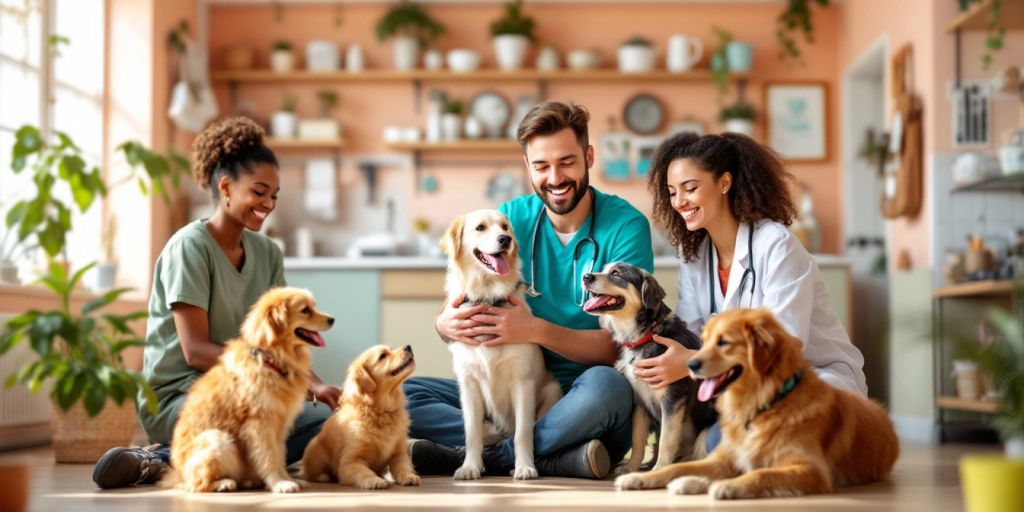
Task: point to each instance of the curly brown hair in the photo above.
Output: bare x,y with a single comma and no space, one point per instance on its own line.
759,182
227,148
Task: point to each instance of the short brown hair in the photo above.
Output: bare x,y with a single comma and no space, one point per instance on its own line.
759,182
550,117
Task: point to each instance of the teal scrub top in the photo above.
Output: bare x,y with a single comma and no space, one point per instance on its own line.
621,233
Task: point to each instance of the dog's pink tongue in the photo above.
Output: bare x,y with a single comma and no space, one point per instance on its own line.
707,388
315,336
596,302
498,263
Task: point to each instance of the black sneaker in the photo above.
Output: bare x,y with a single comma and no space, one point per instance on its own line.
123,467
588,460
430,458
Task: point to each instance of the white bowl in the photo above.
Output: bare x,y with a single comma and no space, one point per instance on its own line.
463,60
583,59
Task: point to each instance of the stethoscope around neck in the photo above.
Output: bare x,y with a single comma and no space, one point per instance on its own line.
749,271
589,239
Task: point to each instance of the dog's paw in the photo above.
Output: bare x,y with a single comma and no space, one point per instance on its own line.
408,479
634,481
373,483
225,485
729,491
468,472
524,473
689,485
285,486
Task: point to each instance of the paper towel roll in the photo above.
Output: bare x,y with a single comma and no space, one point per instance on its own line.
321,189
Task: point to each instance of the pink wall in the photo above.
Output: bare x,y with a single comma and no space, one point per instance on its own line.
367,108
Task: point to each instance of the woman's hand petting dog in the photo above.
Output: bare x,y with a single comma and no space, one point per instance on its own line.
667,368
455,324
512,323
325,393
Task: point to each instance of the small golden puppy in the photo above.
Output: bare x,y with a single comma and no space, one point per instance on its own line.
231,431
785,432
367,435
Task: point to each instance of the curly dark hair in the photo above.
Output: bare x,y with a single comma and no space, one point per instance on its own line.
759,182
227,148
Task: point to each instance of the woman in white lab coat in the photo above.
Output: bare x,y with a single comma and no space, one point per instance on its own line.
724,201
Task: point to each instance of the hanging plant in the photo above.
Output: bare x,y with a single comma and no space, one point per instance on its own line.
796,18
996,34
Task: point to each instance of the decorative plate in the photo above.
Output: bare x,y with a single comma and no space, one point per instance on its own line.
644,114
492,110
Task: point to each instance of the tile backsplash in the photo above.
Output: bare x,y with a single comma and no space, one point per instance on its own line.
994,215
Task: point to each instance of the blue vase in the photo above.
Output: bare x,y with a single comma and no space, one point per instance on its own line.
740,56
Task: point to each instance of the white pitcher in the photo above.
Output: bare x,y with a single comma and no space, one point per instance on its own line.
683,53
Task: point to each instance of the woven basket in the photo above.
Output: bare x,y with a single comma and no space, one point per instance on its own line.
78,438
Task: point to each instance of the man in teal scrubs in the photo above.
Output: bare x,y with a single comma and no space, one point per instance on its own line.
564,230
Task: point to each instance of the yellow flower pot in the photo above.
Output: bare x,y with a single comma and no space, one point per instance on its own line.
992,483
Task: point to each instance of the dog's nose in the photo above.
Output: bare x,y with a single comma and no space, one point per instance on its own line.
330,320
694,364
504,240
588,278
407,348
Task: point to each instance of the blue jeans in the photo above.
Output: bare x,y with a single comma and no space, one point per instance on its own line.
598,405
306,426
714,437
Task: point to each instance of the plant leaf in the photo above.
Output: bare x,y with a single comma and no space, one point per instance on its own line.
103,300
95,397
78,275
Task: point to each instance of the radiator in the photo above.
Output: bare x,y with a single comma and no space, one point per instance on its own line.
18,406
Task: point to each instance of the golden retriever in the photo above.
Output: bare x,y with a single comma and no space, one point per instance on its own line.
785,432
507,386
232,428
367,435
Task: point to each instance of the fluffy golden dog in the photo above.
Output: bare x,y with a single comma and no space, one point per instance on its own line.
232,428
367,435
785,432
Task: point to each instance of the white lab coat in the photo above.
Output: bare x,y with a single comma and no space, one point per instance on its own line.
788,284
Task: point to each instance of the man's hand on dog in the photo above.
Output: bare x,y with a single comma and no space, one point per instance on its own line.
456,324
512,323
327,394
667,368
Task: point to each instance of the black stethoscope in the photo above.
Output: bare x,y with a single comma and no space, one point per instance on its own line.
589,239
743,279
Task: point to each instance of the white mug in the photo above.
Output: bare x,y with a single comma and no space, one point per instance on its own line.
683,53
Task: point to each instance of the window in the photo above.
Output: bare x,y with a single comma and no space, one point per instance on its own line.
53,87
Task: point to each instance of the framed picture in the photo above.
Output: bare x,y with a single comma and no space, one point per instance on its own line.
797,119
615,155
687,126
645,148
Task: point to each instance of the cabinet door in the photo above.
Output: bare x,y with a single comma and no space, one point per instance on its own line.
352,297
411,322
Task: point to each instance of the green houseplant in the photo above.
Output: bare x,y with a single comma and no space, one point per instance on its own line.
796,18
512,32
718,63
411,28
80,352
738,118
282,59
636,55
993,483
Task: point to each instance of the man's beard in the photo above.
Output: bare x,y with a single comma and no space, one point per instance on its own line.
580,189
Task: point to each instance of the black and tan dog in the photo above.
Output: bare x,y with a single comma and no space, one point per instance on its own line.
630,305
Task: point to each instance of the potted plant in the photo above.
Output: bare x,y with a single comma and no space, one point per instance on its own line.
411,28
283,122
738,118
636,55
324,127
512,34
718,62
994,483
796,17
451,120
282,58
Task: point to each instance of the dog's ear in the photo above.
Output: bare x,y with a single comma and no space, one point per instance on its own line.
651,293
267,321
363,379
766,338
451,242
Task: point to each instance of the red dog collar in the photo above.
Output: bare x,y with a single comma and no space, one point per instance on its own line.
647,338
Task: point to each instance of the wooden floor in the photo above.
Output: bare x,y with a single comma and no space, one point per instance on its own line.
926,479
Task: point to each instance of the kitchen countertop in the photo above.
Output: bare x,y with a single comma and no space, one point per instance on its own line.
430,263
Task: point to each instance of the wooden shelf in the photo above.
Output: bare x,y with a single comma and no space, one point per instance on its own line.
1011,16
385,75
987,288
278,143
458,145
952,402
1005,183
